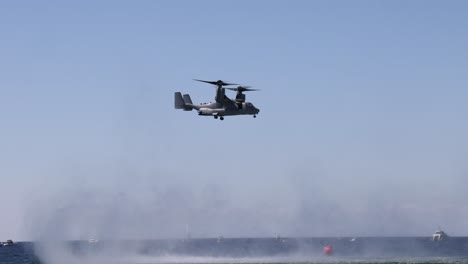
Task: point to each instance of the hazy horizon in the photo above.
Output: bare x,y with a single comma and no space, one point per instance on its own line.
361,130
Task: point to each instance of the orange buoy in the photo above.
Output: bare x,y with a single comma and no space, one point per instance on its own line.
328,250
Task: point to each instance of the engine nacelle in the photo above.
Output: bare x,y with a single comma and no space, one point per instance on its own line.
240,97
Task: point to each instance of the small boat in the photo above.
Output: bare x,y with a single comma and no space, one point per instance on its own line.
9,242
92,241
439,235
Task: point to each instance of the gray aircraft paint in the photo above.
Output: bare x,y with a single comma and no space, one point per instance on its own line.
220,108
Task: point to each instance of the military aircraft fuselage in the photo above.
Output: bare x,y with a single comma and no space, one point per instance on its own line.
223,105
212,109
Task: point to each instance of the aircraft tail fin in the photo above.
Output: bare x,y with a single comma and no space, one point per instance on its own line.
179,102
187,99
183,102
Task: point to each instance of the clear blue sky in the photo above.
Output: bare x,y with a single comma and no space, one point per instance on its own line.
363,117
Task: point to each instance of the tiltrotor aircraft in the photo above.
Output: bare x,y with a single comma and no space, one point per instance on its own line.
223,105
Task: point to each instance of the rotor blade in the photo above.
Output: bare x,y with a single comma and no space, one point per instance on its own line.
223,83
249,89
214,83
242,89
218,82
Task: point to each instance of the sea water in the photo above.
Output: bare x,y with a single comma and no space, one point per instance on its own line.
241,250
